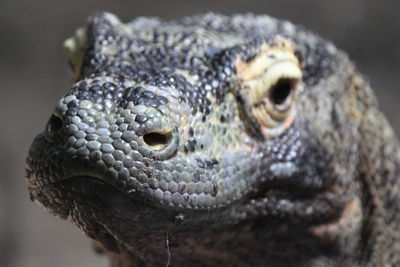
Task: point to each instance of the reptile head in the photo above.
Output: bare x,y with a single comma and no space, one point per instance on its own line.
205,123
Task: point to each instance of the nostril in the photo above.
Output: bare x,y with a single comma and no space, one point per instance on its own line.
54,125
157,140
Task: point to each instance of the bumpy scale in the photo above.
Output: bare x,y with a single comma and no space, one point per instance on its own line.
237,141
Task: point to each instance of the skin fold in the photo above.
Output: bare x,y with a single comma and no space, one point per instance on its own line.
219,140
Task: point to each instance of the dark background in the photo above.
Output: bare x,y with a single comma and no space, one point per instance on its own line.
34,75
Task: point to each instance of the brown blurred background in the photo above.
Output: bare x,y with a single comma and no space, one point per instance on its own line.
34,74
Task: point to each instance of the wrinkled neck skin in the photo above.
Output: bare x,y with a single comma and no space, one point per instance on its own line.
269,249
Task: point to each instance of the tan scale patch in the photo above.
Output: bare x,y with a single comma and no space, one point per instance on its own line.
347,225
356,83
75,47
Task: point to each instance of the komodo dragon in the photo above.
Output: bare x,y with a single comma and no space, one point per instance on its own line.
219,140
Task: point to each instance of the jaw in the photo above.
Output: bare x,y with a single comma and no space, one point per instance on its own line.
139,212
133,229
259,222
274,221
285,200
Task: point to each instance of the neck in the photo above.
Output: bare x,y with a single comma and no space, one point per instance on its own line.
242,248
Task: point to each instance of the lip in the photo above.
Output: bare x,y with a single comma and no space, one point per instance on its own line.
274,201
283,188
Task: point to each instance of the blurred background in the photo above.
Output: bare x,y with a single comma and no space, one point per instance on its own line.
34,74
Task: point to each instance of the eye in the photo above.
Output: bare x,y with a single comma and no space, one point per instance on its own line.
282,90
157,140
54,125
269,83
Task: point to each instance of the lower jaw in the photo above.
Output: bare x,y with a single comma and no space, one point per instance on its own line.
136,220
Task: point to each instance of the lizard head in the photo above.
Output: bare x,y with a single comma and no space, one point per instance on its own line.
211,125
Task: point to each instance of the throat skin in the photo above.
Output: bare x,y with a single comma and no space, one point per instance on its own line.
231,249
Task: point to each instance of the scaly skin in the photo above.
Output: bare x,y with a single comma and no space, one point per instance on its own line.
230,141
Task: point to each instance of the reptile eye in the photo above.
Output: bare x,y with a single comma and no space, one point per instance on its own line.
156,140
282,90
269,83
53,126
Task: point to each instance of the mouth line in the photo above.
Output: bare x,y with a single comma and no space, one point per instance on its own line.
312,211
110,182
289,184
296,184
274,191
276,202
283,184
274,187
304,205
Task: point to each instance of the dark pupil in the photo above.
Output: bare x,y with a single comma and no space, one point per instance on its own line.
153,139
281,90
